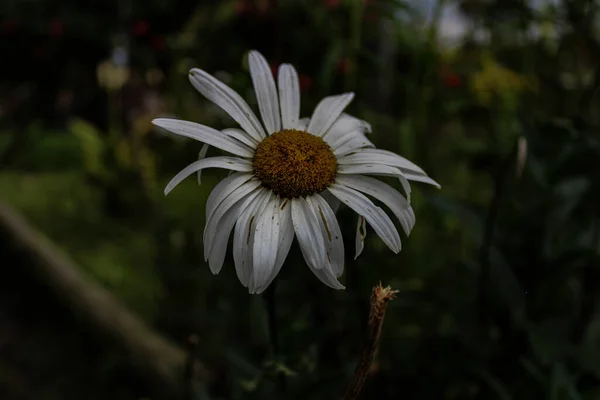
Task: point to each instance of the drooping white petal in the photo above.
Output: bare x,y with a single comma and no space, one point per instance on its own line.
201,156
303,124
266,91
406,186
218,249
231,163
334,244
377,169
369,169
308,232
204,134
378,156
322,271
243,237
333,201
242,136
286,237
226,98
289,96
384,193
266,240
224,189
214,219
327,111
386,170
375,216
327,276
361,235
422,179
350,144
344,125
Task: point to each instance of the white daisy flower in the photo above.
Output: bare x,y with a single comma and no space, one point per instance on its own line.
290,176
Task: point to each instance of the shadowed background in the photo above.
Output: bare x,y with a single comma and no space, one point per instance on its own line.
104,293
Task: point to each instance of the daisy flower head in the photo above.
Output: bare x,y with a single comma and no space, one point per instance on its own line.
289,176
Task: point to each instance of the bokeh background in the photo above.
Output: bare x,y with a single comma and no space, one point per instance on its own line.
104,293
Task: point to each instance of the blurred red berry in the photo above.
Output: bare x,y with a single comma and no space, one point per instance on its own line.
56,28
39,53
241,7
343,66
9,26
331,3
451,79
305,82
274,68
158,43
140,28
263,6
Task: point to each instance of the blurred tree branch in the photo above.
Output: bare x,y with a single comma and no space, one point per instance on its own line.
151,355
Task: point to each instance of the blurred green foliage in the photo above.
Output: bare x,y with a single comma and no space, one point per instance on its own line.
499,280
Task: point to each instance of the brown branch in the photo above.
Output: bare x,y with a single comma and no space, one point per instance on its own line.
152,355
379,300
191,373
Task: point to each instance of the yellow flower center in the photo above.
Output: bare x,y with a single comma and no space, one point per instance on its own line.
294,163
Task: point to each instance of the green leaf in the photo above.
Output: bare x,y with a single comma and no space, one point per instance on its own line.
562,382
92,146
496,384
549,340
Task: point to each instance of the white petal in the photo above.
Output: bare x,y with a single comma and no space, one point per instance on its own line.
422,178
201,156
289,96
327,111
242,237
224,189
212,223
231,163
361,234
385,170
303,124
384,193
218,249
226,98
242,136
204,134
378,156
375,216
377,169
334,244
405,185
266,91
308,233
323,271
327,276
266,240
333,201
343,126
286,237
351,144
369,169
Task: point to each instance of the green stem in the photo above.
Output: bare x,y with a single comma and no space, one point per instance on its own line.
273,331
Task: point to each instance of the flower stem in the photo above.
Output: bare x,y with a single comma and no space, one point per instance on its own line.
189,378
379,300
273,332
272,316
